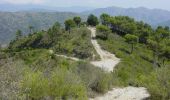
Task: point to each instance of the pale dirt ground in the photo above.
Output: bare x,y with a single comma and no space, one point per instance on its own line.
108,61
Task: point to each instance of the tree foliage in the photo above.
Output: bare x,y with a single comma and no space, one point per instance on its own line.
104,18
18,34
31,28
77,20
92,20
69,24
157,43
103,31
131,39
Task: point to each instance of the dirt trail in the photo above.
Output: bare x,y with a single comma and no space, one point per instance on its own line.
108,62
64,56
127,93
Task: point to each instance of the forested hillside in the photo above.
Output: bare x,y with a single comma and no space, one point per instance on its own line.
41,8
10,22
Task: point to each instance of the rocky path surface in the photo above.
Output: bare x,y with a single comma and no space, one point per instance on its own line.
108,61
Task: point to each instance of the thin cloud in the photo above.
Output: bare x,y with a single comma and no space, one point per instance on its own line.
162,4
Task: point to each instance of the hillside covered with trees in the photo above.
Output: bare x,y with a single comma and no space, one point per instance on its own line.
30,68
145,53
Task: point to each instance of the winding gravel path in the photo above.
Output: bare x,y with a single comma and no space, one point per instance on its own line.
108,62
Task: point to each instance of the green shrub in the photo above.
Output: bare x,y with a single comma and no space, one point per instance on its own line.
59,84
92,20
94,78
103,83
102,32
34,85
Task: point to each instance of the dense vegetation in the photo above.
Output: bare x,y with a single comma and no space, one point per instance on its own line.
92,20
144,53
37,74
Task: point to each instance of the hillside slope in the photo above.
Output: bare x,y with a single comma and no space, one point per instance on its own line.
68,79
165,23
41,8
11,21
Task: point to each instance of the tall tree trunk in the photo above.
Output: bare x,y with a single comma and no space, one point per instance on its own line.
163,62
59,46
154,59
69,31
30,30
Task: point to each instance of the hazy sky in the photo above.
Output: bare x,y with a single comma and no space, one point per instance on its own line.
163,4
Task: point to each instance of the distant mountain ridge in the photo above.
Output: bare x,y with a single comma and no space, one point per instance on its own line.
165,23
40,8
151,16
